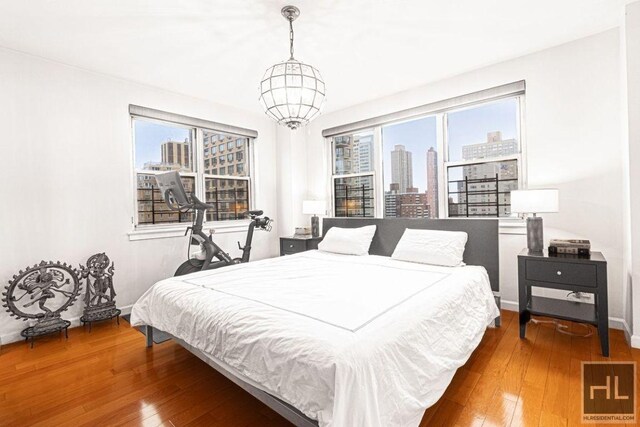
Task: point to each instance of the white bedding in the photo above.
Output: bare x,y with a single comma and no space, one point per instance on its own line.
349,341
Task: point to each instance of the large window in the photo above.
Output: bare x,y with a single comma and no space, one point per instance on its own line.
460,162
222,181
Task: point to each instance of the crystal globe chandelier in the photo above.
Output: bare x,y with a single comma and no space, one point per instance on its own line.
292,92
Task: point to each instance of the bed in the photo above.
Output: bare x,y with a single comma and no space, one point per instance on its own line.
337,340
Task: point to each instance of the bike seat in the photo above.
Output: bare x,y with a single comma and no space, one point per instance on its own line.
255,213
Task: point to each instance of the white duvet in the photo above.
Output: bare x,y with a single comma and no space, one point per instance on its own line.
348,340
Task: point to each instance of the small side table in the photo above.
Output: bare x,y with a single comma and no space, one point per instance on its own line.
569,273
293,245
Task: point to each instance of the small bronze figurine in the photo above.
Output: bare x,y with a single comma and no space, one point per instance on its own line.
99,300
42,292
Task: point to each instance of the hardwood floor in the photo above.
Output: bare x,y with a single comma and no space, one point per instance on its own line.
108,377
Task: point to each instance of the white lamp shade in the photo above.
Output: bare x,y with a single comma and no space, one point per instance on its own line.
314,207
534,201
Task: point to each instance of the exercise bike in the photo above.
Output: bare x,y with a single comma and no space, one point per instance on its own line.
211,256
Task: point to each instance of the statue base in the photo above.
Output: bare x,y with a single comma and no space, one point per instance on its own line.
100,313
46,327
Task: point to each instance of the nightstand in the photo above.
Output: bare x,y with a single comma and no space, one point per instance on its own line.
570,273
294,245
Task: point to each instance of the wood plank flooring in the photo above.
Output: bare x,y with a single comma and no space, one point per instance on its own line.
108,377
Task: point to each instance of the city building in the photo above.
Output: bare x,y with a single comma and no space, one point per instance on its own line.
176,154
494,146
412,205
401,168
487,186
225,155
391,201
432,182
363,153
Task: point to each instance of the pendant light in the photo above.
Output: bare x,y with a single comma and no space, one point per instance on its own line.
292,92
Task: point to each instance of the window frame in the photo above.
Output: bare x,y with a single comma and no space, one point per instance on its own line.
443,156
373,173
150,231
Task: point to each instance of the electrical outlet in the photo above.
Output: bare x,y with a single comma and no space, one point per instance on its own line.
581,297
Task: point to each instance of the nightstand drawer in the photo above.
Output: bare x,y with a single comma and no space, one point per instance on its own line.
292,246
566,273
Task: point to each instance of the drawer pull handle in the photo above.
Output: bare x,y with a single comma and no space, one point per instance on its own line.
290,246
559,273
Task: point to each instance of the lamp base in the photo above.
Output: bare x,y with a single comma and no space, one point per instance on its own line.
535,239
315,226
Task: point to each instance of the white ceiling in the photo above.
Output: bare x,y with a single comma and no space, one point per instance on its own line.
365,49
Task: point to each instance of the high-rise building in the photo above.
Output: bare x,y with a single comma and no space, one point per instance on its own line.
226,155
176,153
493,147
481,177
401,168
363,153
390,201
432,182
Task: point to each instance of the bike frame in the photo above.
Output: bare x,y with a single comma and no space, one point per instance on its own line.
212,250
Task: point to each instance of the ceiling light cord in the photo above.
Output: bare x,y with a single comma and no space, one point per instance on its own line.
291,36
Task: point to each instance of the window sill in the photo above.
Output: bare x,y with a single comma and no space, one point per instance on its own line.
163,232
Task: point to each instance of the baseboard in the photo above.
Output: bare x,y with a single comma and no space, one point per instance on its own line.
75,321
614,322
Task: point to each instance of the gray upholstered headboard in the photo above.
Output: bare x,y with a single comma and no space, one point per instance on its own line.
482,244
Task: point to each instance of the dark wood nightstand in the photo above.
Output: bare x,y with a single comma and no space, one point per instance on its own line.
569,273
293,245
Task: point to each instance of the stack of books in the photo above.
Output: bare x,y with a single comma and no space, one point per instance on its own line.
570,246
302,232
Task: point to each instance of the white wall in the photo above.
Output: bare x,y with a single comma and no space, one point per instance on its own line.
632,39
67,174
573,137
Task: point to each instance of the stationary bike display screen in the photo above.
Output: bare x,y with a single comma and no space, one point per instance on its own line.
172,189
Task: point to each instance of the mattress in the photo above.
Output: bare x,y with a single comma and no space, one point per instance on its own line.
347,340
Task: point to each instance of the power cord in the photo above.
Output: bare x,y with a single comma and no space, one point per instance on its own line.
564,329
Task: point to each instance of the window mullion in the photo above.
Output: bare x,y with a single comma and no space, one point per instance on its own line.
443,188
378,183
198,161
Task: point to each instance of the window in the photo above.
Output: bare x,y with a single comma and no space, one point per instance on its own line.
411,184
461,162
483,156
221,148
161,147
353,177
164,146
228,190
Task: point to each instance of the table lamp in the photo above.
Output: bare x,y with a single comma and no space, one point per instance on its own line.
534,202
314,207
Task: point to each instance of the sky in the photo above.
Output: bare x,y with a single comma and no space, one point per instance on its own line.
149,136
465,127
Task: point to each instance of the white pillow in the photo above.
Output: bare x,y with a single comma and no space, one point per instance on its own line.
431,247
348,241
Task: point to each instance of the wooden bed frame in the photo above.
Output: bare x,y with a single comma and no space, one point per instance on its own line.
481,249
